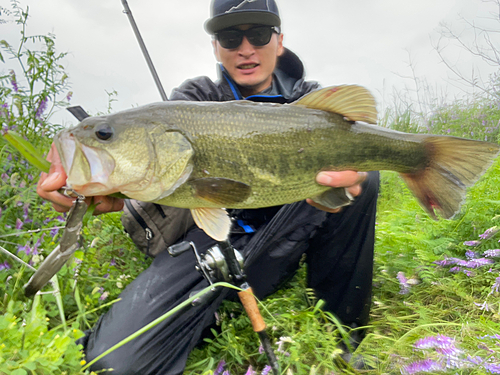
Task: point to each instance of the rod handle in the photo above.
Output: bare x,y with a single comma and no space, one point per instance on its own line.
249,302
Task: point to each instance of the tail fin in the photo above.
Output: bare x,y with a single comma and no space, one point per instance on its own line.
455,164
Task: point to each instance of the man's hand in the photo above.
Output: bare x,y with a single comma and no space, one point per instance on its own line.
348,179
56,179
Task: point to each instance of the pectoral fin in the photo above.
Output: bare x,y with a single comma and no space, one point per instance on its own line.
222,191
334,198
351,101
214,221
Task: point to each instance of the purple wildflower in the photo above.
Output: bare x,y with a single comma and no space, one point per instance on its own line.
25,210
58,218
427,365
447,261
19,223
41,107
5,177
476,263
4,266
103,296
13,81
490,337
266,370
475,360
496,285
261,349
220,367
489,233
226,372
484,347
37,244
449,351
439,341
403,283
69,95
113,262
280,344
493,253
4,111
483,306
472,243
455,269
470,254
25,249
469,273
53,232
250,371
494,368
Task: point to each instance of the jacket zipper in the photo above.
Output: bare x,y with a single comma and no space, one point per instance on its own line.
148,232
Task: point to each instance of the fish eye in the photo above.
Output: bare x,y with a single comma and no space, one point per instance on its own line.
104,132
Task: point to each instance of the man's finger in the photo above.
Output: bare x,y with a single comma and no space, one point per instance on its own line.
341,179
355,190
107,204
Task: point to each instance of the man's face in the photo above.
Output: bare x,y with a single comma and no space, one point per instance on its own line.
250,67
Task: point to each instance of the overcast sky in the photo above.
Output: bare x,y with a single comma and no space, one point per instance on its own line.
367,42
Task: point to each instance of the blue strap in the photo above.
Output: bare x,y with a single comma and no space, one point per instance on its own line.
233,89
247,228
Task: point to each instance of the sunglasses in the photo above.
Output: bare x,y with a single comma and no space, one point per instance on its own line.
257,36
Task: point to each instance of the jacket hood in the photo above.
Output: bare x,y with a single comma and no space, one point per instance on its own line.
291,65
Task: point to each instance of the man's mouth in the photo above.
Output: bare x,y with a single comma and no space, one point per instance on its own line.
247,66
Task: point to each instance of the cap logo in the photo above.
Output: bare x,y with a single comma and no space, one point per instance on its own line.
243,3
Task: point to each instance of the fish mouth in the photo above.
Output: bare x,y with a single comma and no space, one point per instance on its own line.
88,169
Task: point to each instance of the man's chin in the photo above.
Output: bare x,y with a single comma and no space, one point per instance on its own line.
251,87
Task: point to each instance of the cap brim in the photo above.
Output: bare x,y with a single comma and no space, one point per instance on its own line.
225,21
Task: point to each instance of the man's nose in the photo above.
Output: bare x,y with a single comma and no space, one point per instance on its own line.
246,48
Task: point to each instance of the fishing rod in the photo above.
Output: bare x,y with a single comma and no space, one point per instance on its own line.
144,50
80,113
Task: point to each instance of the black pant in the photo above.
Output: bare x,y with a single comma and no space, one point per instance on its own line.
339,250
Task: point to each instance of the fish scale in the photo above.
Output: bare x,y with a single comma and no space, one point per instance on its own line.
211,155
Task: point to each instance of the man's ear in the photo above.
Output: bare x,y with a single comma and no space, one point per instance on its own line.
215,46
281,49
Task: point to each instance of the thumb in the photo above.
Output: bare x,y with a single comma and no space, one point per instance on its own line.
56,177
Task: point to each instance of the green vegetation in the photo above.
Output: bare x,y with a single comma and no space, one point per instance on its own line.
423,311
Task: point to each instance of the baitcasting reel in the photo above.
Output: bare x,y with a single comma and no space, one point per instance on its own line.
212,265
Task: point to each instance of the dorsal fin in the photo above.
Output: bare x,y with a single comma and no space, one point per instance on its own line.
351,101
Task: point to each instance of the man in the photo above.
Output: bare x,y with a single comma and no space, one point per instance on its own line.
338,243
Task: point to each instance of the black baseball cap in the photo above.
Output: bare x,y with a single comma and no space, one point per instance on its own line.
229,13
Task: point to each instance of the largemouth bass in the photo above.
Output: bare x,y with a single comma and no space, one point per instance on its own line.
207,156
